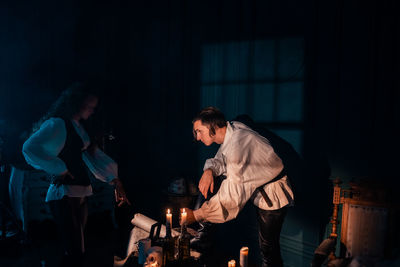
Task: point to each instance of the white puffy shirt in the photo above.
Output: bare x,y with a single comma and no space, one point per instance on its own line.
248,161
41,152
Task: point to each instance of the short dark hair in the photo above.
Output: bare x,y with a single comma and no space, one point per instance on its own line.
212,117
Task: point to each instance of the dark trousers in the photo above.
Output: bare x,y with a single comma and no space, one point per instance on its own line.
269,229
270,225
70,214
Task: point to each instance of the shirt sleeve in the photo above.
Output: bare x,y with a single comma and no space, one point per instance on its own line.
101,165
250,163
216,164
42,148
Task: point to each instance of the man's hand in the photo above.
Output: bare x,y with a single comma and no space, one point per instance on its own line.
119,192
206,182
190,217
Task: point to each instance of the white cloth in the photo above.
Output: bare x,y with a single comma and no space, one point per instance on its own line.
248,161
41,152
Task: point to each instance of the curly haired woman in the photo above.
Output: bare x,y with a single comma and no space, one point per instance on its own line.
61,147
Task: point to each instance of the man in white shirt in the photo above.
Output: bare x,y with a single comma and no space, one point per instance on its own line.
253,171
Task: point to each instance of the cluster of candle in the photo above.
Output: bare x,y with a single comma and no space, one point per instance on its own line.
244,255
169,217
177,247
244,251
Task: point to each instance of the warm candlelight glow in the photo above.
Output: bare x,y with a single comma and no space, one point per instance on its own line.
232,263
183,216
244,253
169,218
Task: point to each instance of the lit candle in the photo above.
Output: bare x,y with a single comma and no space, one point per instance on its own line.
244,255
183,216
232,263
169,218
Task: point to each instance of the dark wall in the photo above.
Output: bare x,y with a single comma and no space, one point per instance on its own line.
353,90
148,55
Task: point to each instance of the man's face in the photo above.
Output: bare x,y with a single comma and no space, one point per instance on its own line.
202,133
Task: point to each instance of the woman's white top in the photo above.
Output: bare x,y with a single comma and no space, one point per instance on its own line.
41,152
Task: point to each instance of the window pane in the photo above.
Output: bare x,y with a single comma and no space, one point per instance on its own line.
263,102
290,102
211,96
291,58
294,137
235,97
264,60
211,65
236,64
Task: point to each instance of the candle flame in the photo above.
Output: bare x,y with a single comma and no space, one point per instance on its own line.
244,249
183,211
168,211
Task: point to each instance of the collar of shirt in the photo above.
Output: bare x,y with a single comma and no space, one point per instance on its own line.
82,133
228,134
231,127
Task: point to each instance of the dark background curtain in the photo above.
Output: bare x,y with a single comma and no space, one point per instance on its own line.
150,55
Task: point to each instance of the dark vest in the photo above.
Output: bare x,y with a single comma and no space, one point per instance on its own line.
71,154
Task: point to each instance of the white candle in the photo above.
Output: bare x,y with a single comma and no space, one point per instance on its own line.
244,255
169,218
183,216
232,263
